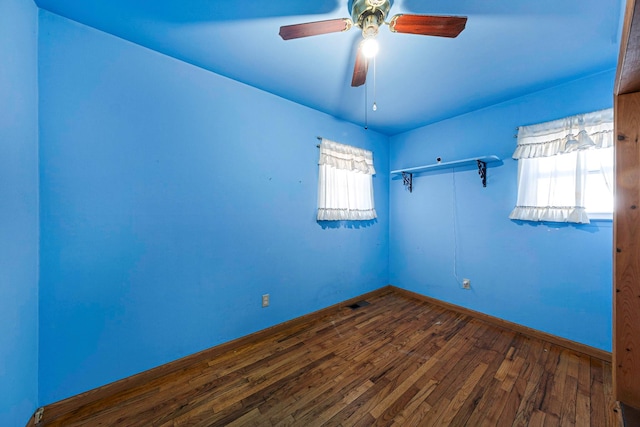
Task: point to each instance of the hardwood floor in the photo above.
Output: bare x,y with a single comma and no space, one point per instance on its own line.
397,362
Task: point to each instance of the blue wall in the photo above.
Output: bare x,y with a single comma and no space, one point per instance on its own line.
555,278
18,211
171,200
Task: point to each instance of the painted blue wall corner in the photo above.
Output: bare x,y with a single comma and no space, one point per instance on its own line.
553,277
18,212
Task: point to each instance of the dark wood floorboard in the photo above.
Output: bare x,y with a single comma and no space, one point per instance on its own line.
396,362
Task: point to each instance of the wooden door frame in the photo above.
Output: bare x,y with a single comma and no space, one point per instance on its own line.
626,218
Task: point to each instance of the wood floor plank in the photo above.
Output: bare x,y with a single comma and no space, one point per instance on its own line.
569,402
416,409
398,361
517,391
598,405
458,400
401,388
531,399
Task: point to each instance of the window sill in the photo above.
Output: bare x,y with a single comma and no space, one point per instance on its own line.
600,216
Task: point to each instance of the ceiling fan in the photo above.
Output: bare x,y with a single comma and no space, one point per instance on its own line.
369,15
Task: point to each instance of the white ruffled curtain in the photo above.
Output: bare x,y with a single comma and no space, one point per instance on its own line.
345,184
552,166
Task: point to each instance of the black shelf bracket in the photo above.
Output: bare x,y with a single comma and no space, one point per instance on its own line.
482,171
407,180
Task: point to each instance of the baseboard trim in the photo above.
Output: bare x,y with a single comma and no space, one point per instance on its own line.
62,407
516,327
73,403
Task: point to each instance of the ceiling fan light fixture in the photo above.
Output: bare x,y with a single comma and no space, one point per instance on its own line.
369,47
370,27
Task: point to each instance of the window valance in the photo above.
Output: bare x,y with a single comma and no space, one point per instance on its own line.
346,157
582,131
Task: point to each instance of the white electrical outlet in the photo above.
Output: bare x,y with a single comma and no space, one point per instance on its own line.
466,284
38,415
265,300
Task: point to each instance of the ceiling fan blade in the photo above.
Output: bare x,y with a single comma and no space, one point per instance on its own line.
297,31
428,25
360,69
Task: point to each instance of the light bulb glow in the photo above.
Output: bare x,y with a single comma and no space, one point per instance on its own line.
370,47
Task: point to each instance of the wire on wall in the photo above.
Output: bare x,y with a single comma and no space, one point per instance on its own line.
455,226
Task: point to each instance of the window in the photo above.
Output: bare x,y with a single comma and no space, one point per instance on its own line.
565,169
598,198
345,184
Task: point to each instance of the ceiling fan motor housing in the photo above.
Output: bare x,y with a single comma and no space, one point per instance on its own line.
369,14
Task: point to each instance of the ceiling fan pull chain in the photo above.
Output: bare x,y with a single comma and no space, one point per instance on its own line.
366,105
375,92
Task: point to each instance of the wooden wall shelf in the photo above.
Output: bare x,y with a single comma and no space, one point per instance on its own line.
481,162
